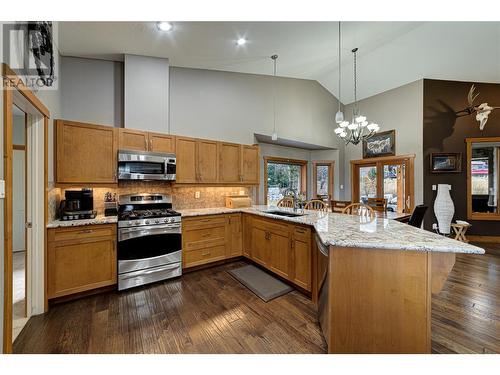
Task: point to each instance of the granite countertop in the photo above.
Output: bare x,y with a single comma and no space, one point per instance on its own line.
352,231
100,219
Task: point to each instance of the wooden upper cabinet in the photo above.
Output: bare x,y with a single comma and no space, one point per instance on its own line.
207,166
85,153
229,163
161,143
186,160
133,140
250,164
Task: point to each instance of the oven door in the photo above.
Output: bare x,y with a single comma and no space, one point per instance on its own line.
148,246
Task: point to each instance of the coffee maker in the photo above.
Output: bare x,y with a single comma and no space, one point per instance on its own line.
77,205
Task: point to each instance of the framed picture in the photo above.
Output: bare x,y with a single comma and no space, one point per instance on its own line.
380,144
446,162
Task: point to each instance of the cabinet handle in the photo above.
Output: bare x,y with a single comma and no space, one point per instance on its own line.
205,253
85,231
292,243
205,235
205,220
146,143
300,230
150,145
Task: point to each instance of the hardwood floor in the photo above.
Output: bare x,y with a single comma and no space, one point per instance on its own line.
208,311
205,311
466,313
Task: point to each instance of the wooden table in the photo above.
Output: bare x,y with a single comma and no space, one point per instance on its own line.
398,216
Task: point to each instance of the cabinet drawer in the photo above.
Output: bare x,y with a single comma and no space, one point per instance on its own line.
302,233
82,232
202,256
202,234
203,222
271,226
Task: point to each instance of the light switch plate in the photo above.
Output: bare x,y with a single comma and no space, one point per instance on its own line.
341,187
2,189
197,194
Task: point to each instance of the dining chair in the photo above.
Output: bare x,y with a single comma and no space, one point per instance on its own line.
417,216
378,204
359,209
316,205
285,202
338,206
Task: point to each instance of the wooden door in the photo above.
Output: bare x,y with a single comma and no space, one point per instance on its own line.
133,140
229,163
260,245
186,160
85,153
302,263
207,165
77,266
250,164
235,243
161,143
281,254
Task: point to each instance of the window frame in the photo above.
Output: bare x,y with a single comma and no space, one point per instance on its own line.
279,160
331,171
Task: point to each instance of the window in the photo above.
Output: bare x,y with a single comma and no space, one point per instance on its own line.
282,174
480,176
323,179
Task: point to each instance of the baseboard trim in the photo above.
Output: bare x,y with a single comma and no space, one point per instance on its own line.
488,239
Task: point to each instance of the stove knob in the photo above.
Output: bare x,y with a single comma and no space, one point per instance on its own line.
147,222
157,221
165,220
171,219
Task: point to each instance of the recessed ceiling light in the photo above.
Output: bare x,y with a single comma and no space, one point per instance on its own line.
164,26
241,41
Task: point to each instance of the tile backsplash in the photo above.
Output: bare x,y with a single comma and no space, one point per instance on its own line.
183,196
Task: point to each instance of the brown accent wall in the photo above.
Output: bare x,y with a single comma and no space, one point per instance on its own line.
444,131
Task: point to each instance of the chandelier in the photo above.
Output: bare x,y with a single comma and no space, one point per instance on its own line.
358,129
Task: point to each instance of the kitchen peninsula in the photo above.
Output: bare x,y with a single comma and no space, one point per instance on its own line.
372,280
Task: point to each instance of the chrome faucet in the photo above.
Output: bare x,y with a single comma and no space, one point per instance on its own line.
295,197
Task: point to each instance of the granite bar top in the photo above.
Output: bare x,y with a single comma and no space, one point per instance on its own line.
100,219
342,230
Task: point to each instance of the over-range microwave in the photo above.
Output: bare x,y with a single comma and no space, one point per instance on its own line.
144,165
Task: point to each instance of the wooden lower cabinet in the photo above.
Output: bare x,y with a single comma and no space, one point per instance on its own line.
235,242
283,248
80,259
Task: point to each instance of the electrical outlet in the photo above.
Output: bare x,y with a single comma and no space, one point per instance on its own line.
2,189
197,194
434,187
242,192
435,226
341,187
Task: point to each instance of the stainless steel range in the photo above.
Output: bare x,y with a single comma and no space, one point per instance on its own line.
149,240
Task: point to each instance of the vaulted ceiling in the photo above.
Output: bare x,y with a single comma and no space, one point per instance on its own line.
390,53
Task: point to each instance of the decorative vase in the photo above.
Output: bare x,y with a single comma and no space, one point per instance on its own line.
444,208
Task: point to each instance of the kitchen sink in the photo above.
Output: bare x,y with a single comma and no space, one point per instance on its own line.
283,213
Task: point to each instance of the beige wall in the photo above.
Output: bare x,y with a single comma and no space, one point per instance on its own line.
400,109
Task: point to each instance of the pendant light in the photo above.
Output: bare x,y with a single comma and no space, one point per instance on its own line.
274,136
359,129
339,116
